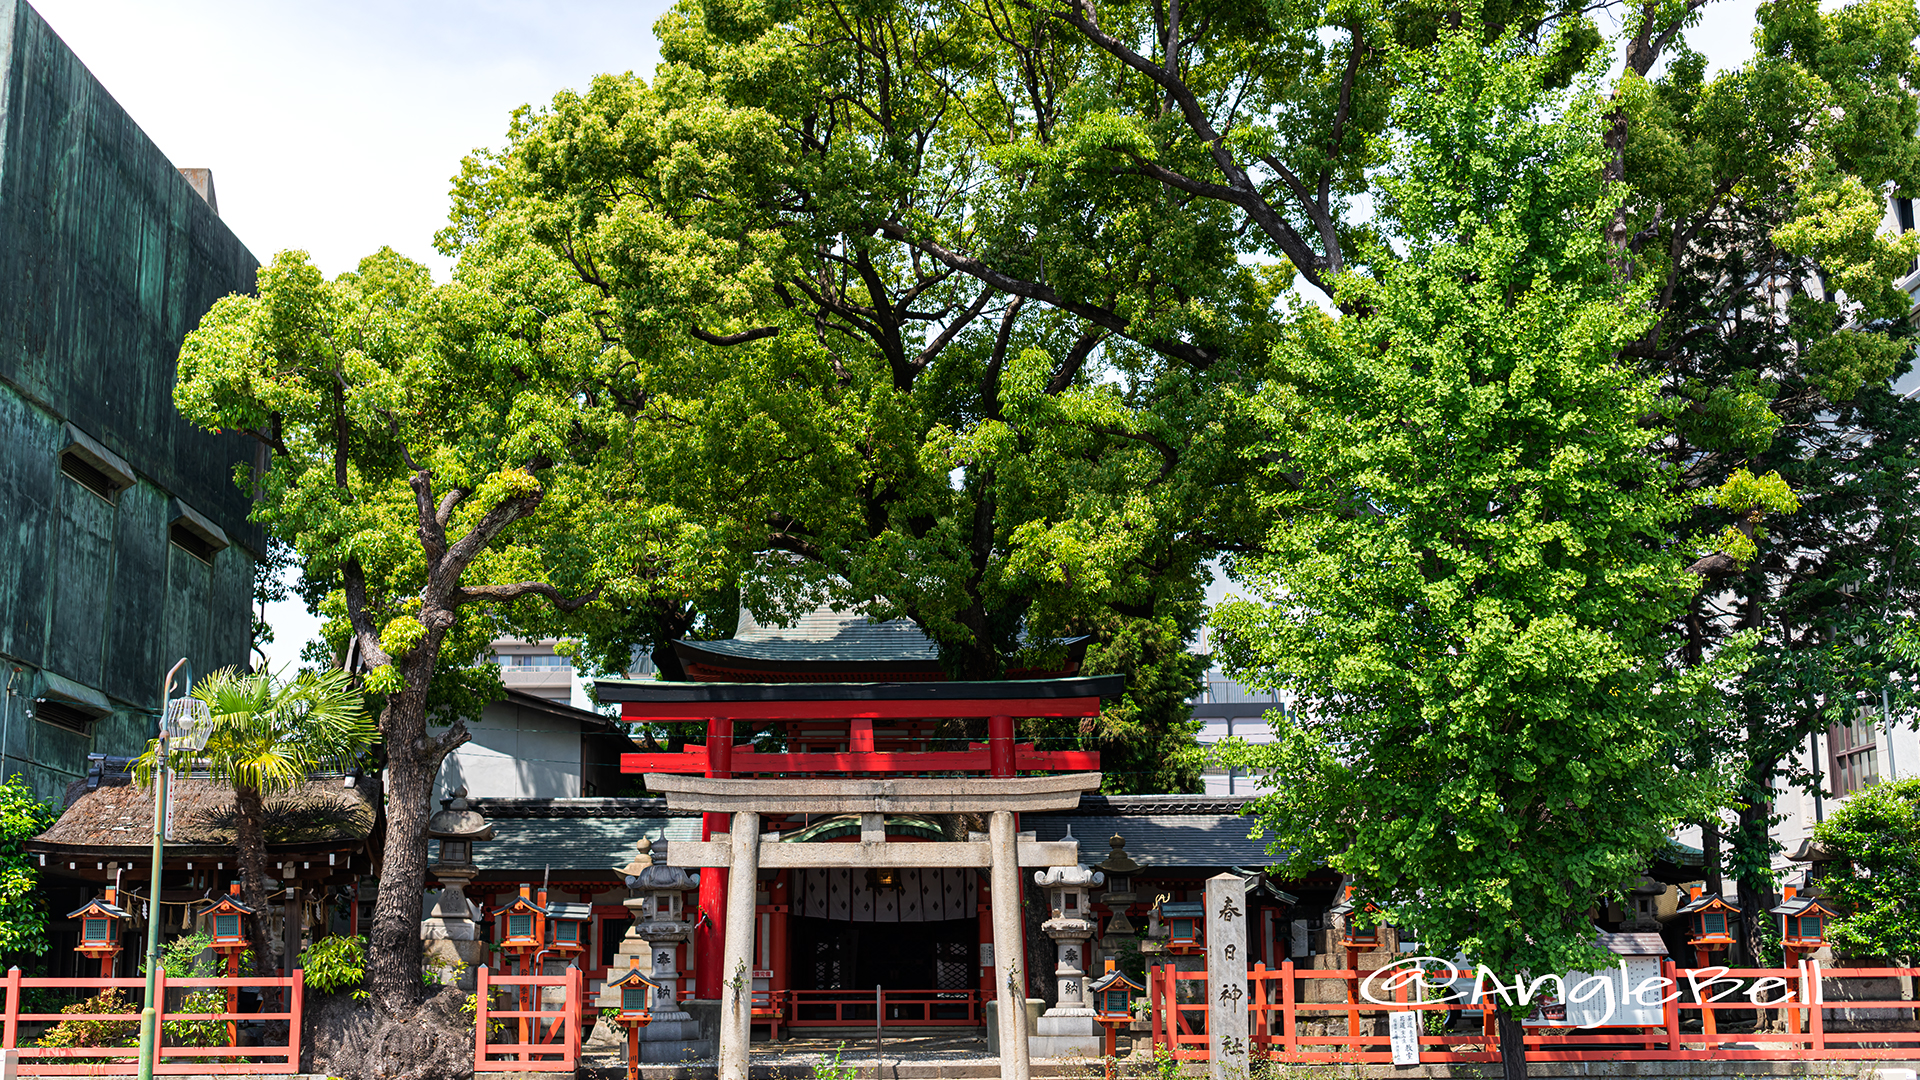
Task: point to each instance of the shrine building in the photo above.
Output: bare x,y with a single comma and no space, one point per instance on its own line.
854,818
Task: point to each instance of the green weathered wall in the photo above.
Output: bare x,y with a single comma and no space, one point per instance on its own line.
107,259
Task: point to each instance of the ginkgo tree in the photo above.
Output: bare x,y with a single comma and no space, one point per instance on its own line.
1469,580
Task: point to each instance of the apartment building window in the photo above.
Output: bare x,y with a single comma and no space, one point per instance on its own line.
1854,755
536,661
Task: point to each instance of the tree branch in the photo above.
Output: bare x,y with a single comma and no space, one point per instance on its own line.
953,328
1198,356
1076,359
467,594
740,338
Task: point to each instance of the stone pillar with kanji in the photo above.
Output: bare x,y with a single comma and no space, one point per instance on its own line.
1226,908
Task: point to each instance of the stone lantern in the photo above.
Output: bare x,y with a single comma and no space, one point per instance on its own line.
658,908
450,935
1643,901
1069,1029
1119,869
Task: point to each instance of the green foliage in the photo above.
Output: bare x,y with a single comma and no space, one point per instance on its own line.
1756,202
335,963
23,914
836,1069
268,735
212,1032
1467,587
191,956
110,1001
1875,882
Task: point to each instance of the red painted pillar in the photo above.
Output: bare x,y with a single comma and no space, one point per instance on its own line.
1000,745
708,939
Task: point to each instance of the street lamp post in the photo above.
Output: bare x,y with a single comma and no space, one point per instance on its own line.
1886,721
185,721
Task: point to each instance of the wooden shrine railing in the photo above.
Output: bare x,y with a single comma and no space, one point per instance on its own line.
1276,1014
272,1058
896,1008
544,1036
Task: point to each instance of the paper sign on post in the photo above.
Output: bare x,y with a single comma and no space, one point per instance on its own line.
1404,1028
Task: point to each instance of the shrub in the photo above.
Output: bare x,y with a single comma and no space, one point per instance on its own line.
97,1032
1875,878
336,963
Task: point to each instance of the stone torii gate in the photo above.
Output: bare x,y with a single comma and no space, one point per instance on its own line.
1000,851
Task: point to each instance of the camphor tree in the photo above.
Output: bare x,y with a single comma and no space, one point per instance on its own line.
997,470
1471,575
448,462
267,737
1021,258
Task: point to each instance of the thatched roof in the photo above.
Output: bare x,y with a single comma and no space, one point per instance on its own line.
111,816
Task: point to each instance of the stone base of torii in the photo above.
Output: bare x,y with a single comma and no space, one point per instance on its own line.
740,850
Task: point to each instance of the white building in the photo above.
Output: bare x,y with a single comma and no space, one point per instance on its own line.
1226,709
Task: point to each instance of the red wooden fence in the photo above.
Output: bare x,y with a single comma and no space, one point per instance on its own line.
1276,1014
123,1060
545,1038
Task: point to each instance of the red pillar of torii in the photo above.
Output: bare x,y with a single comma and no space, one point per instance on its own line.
859,704
712,922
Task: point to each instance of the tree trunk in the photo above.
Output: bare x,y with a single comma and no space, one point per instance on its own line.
1710,857
393,953
1754,850
1513,1047
249,838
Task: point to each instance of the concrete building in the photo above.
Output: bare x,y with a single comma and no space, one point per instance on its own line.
531,747
124,543
1228,710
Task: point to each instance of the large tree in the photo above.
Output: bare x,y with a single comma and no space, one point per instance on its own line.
1471,572
1024,256
1757,200
449,463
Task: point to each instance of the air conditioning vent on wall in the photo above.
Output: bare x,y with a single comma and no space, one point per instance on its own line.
191,542
88,475
62,715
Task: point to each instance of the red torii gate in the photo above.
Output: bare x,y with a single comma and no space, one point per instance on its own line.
858,705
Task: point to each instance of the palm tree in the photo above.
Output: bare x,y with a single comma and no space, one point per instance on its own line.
267,737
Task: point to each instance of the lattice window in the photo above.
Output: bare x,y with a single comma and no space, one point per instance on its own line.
1855,755
953,965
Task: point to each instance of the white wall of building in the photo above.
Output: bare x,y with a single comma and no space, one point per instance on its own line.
516,753
1799,808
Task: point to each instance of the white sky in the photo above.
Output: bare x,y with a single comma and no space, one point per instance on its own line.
335,127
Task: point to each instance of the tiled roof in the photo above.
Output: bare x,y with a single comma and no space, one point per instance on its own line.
499,809
1162,831
1158,841
594,844
827,635
1163,804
